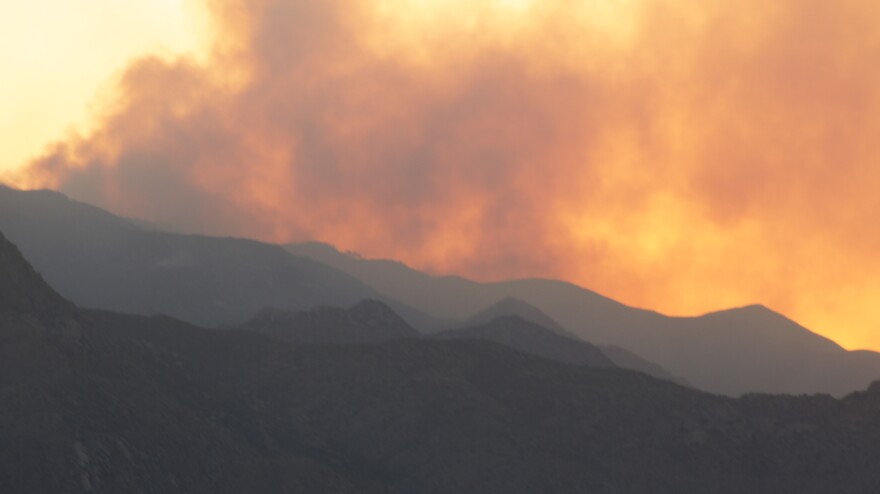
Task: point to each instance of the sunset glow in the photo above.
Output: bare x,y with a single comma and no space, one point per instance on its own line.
679,155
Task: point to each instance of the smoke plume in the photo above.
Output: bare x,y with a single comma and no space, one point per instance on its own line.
677,154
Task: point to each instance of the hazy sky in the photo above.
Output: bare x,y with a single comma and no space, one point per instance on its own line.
57,55
681,155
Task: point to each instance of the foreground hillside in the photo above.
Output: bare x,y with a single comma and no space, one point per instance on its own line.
101,402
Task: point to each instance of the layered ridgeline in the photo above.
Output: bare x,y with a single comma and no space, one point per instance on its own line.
371,321
546,337
136,404
529,337
102,261
366,322
750,349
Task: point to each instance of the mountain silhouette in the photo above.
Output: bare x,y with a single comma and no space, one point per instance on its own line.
452,297
510,306
625,359
23,292
528,337
367,321
151,404
102,261
750,349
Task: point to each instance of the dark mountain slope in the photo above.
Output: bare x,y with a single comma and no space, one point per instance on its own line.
625,359
752,349
171,410
135,404
101,261
618,356
23,292
528,337
368,321
373,321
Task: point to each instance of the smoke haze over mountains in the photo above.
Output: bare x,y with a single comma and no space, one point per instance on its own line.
678,155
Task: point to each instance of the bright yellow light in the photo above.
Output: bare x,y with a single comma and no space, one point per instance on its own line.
56,55
516,5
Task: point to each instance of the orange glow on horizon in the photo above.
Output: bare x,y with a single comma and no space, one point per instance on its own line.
678,155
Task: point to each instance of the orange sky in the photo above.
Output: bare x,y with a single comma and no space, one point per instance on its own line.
681,155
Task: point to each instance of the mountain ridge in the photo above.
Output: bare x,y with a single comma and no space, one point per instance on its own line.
157,405
106,262
529,337
732,351
102,261
510,306
368,321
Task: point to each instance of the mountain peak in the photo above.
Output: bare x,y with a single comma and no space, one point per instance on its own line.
530,337
756,309
748,310
315,248
513,302
753,314
512,306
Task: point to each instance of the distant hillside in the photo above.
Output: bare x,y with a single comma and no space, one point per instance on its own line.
102,261
137,404
625,359
368,321
510,306
98,260
620,357
531,338
751,349
451,297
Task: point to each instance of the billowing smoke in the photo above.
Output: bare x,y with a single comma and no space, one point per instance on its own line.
678,154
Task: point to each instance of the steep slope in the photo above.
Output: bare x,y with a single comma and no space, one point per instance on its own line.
625,359
138,404
620,357
30,313
733,352
101,261
368,321
23,293
527,337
